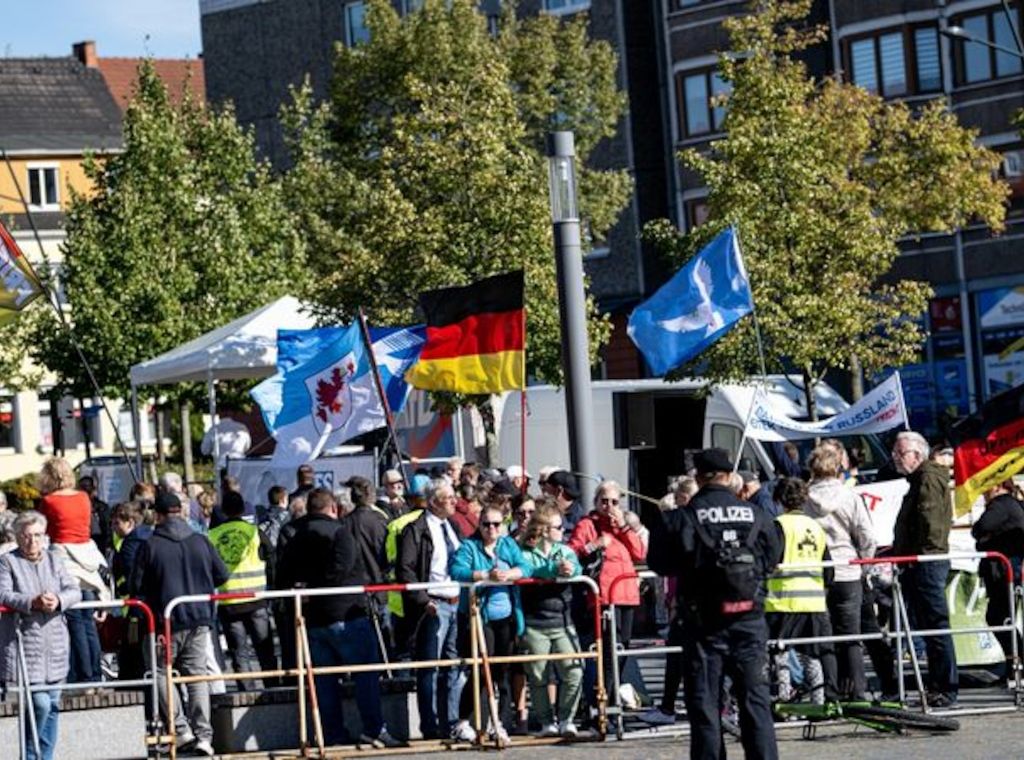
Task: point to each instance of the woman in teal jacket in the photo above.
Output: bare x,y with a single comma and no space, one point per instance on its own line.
491,556
547,611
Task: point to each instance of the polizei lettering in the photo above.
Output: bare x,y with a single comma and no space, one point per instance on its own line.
725,514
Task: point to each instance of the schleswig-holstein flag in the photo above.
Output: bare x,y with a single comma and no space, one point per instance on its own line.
695,308
324,392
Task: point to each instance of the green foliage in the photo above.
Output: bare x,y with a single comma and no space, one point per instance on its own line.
425,169
184,231
822,179
21,492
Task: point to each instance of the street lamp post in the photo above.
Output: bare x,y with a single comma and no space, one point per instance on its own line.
572,308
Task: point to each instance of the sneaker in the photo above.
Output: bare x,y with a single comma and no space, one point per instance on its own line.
549,730
656,717
204,748
464,732
938,699
569,730
502,739
384,740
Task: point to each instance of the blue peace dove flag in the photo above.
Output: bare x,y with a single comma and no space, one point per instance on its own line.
324,392
699,305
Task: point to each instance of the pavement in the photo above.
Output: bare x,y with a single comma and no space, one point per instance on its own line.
981,737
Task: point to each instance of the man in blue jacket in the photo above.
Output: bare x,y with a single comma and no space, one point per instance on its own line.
177,561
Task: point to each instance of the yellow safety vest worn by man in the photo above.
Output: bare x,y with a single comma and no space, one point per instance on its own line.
238,544
803,589
395,528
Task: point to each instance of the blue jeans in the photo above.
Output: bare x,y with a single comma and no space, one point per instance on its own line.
924,585
437,639
85,643
347,643
45,706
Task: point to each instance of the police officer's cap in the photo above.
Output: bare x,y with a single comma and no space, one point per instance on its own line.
712,460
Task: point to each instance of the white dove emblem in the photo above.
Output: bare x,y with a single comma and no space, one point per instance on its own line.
704,317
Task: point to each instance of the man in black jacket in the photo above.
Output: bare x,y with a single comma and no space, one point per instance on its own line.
425,549
177,561
724,629
322,553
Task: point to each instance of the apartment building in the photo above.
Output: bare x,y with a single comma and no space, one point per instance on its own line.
911,50
56,111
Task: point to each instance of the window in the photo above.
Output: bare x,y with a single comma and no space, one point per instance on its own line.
411,6
696,212
594,246
356,32
43,187
728,437
976,62
7,421
566,6
895,63
696,92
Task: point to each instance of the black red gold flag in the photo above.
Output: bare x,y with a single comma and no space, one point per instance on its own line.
989,446
475,337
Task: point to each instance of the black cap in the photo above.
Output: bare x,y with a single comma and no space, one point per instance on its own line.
566,481
504,488
166,503
712,460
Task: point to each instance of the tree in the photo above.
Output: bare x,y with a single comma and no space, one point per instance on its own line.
184,230
823,179
425,168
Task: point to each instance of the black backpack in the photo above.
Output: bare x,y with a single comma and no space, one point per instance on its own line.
730,576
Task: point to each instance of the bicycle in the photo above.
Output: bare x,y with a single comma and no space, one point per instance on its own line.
885,717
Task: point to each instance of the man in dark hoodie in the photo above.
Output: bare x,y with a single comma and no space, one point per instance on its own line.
922,527
177,561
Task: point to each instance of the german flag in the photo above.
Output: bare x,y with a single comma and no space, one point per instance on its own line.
989,447
475,337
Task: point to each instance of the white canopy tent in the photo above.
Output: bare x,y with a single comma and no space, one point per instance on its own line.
240,350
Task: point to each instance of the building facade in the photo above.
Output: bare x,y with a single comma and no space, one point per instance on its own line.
902,49
56,111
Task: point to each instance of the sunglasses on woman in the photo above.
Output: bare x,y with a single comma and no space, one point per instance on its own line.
491,524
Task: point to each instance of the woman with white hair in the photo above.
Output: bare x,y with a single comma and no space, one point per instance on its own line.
37,585
607,548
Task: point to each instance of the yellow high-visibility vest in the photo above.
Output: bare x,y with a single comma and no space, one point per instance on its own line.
395,528
238,544
800,590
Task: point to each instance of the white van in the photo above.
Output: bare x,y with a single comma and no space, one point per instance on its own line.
647,430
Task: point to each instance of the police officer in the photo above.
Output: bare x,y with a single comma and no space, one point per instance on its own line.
722,549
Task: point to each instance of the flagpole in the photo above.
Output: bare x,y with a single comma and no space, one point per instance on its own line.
903,400
55,303
523,407
392,436
760,355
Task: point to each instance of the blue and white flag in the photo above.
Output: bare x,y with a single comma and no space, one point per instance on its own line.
396,349
324,393
695,308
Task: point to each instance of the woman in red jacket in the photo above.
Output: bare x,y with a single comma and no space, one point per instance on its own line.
68,513
604,531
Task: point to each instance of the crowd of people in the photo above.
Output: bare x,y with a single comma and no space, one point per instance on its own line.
715,541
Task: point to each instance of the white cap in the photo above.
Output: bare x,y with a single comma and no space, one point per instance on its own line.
515,471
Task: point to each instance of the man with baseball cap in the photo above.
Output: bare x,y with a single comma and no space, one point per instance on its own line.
722,549
177,561
565,488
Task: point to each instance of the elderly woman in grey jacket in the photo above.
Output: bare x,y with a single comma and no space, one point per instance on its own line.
849,535
36,584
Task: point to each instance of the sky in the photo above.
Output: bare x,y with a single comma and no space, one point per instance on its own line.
128,28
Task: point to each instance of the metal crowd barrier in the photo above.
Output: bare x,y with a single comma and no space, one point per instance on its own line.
25,690
902,633
305,670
